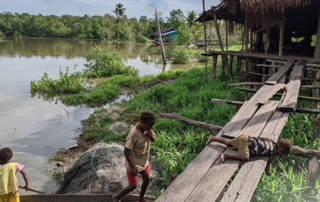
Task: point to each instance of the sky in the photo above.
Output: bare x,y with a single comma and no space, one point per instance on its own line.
134,8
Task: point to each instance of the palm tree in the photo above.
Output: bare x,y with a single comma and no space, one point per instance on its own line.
191,18
120,10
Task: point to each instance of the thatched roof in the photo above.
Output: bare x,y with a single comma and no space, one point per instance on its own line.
261,13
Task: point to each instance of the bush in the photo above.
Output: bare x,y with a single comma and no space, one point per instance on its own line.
141,39
66,84
180,55
106,64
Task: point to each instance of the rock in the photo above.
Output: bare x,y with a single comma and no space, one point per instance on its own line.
59,164
119,127
74,146
114,112
98,170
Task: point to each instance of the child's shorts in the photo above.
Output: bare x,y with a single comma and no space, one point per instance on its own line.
10,197
241,143
133,180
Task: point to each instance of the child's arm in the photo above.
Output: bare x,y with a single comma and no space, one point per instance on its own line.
268,165
150,134
133,168
26,180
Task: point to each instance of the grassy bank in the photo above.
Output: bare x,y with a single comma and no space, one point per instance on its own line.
178,144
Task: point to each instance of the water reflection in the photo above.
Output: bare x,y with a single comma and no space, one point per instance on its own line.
34,128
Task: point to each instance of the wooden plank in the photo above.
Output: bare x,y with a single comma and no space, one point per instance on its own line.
293,87
246,84
311,99
206,158
218,176
263,95
280,73
78,198
244,184
271,66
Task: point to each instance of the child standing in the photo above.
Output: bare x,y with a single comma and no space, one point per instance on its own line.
8,178
255,146
136,151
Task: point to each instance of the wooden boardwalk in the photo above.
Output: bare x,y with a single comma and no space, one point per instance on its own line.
205,178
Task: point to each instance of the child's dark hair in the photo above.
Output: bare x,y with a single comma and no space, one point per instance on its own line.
147,115
286,145
5,154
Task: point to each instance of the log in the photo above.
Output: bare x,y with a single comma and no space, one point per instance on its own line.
305,153
248,84
207,126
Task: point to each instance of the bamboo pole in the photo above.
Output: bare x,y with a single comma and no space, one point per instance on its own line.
226,35
160,39
246,31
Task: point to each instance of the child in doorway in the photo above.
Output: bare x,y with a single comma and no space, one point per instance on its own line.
9,181
255,146
136,151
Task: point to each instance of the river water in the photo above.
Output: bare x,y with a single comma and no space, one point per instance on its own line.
35,128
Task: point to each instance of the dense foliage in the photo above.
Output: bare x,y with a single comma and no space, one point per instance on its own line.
106,64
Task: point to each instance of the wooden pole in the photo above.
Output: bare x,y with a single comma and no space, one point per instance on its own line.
226,35
317,48
246,31
160,39
281,39
205,35
217,29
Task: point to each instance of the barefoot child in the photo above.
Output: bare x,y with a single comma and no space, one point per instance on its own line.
136,151
9,181
255,146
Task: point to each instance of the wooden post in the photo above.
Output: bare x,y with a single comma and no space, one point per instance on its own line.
217,29
281,39
160,40
313,171
223,65
246,33
205,36
226,35
231,66
214,66
266,45
317,48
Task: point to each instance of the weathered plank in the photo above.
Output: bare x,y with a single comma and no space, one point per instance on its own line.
280,73
78,198
206,158
215,180
263,95
244,184
311,99
293,87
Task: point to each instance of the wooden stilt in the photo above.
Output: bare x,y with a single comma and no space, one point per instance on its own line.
214,66
317,48
281,39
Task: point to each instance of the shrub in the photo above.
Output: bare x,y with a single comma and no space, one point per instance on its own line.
66,84
106,64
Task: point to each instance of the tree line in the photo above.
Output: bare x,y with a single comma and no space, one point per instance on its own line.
114,26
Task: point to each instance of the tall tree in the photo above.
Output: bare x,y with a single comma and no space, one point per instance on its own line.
120,10
191,18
